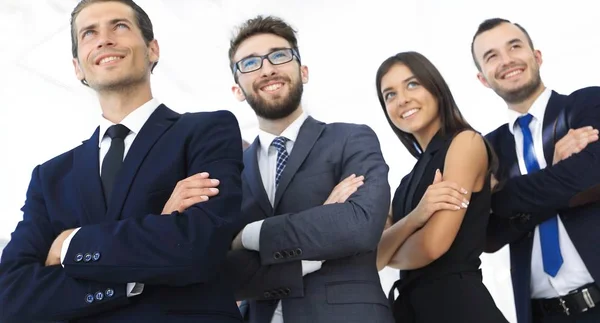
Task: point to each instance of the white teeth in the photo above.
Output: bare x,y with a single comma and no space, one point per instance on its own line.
108,59
409,113
273,87
513,73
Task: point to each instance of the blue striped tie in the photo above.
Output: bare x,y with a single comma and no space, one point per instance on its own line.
282,157
551,257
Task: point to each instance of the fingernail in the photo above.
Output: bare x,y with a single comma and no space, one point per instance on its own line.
465,205
464,191
215,190
204,197
214,181
457,207
204,174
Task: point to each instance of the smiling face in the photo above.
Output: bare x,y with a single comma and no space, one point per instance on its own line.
509,65
111,51
408,104
273,91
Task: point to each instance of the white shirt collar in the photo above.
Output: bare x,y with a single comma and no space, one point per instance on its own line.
291,133
537,110
134,120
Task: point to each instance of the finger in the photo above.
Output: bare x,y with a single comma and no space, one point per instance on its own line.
200,183
438,177
185,204
451,199
450,185
446,206
442,192
342,198
197,176
211,191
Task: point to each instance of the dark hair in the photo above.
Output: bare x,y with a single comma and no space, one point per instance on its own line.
490,24
452,121
261,25
142,20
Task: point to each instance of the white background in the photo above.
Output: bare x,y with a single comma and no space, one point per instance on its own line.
44,111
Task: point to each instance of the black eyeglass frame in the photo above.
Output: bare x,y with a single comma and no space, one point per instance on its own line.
262,59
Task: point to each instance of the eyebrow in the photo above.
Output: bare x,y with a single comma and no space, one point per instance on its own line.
510,42
389,88
272,49
112,22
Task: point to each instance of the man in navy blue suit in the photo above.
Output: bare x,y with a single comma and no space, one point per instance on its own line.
546,207
98,241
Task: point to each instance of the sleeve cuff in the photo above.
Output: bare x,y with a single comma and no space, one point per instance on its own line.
65,246
251,236
310,266
134,289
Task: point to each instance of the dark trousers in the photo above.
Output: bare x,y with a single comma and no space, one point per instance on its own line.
592,315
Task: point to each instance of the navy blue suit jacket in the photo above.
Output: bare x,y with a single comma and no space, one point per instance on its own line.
177,256
526,201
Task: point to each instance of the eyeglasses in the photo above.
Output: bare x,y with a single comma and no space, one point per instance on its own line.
276,57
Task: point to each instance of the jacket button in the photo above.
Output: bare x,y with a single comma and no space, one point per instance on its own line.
99,296
277,255
287,291
87,257
298,251
96,256
267,295
78,257
89,298
109,292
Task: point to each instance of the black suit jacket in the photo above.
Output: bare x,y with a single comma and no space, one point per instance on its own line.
526,201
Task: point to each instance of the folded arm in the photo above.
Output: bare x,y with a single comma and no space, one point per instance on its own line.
31,291
335,230
181,248
437,235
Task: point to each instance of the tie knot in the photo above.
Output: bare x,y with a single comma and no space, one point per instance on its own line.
279,143
117,131
525,120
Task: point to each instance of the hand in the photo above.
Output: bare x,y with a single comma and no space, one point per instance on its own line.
236,244
54,252
574,142
342,191
440,195
194,189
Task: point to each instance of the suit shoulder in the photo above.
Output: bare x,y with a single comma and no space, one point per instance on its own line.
348,128
497,132
586,94
210,116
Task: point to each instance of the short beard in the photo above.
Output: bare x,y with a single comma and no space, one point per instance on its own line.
523,93
270,111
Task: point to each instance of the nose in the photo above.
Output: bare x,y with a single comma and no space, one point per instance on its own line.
267,68
402,99
104,39
506,58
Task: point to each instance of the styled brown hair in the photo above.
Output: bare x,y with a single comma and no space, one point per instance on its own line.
452,121
142,20
490,24
262,25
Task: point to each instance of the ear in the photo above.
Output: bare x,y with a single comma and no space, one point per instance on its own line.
482,79
238,93
538,56
153,51
304,74
78,71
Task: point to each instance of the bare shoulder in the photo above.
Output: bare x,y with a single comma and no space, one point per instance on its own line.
468,147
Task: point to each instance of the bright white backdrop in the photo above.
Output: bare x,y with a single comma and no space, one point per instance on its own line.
44,111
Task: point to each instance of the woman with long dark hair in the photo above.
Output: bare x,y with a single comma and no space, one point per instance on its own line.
440,210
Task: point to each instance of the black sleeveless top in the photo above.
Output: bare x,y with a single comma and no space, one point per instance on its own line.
469,243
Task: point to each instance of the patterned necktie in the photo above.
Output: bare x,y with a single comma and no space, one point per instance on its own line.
282,157
551,257
114,158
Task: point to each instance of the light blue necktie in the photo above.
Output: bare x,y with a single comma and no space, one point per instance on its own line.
551,257
282,156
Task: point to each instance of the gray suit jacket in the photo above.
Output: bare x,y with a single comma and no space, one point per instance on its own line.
299,227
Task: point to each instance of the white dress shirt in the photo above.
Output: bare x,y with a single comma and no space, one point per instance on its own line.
267,163
134,122
573,273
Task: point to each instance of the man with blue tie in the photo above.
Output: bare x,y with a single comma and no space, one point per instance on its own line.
308,251
545,206
95,243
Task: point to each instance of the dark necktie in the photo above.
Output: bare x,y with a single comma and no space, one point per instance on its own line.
114,158
551,256
282,157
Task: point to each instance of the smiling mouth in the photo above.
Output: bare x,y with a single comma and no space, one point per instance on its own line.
409,113
272,87
109,59
513,74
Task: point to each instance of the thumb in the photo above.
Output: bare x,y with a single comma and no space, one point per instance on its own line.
438,176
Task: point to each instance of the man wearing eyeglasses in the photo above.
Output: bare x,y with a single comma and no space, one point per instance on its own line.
308,251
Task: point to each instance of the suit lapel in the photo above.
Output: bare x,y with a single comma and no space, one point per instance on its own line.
153,129
87,179
420,167
307,137
251,176
555,106
509,155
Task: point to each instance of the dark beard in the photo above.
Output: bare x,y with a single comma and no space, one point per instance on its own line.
523,93
270,111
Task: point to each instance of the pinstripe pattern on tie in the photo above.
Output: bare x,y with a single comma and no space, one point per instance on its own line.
282,156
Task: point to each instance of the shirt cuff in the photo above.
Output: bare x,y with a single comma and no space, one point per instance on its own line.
134,289
65,246
251,236
310,266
